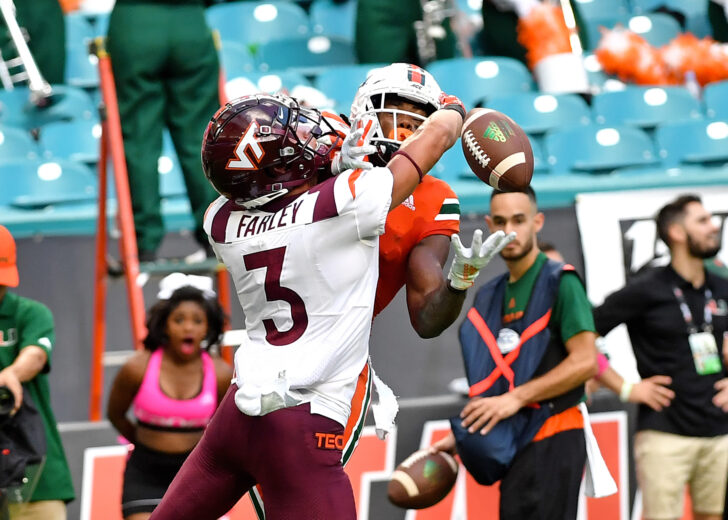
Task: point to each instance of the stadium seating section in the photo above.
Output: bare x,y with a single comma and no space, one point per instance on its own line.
618,139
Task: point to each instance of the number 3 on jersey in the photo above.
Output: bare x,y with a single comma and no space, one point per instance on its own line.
272,261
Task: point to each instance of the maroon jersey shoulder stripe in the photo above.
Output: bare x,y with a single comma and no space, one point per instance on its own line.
325,203
220,220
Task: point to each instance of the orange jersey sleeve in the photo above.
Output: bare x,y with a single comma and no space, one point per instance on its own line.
433,209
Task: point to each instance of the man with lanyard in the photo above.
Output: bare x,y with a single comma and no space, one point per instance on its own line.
546,298
676,317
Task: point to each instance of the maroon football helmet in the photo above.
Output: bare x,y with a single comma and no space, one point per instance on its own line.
256,148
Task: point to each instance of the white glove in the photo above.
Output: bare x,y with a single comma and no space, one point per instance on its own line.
352,154
469,261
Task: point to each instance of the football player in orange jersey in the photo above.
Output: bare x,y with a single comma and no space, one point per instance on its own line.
389,107
391,104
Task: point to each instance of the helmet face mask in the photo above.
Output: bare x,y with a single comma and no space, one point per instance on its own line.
257,148
378,96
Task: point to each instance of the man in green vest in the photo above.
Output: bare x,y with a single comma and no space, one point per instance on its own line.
26,343
166,72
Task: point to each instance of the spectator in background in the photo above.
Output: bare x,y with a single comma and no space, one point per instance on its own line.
718,16
676,317
26,342
385,32
533,287
173,387
166,72
43,21
550,251
500,20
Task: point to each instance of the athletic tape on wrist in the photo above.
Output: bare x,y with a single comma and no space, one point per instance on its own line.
457,108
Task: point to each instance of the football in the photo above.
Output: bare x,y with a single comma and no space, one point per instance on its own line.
422,479
497,149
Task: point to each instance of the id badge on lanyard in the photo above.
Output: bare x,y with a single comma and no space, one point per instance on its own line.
702,344
705,353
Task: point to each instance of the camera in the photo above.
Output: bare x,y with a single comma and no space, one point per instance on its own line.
7,402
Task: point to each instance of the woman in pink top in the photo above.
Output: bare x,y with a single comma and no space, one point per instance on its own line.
173,387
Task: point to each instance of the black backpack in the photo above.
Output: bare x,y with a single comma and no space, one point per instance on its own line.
22,442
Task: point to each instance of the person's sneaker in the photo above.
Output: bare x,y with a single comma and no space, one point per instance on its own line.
202,254
459,385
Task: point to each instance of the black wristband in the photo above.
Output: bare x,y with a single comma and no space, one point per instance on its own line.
408,157
457,108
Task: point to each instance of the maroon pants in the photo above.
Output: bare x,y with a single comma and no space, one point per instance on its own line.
293,454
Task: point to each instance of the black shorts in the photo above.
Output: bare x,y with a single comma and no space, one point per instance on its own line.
147,476
543,482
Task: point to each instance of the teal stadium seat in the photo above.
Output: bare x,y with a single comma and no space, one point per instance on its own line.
83,26
17,143
593,27
598,149
591,9
453,166
28,183
253,23
236,60
309,54
14,107
715,97
66,103
333,18
341,82
646,6
77,140
657,28
694,11
270,83
81,67
79,30
538,113
645,107
540,164
703,143
474,80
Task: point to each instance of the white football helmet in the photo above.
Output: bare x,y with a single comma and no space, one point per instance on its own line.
399,80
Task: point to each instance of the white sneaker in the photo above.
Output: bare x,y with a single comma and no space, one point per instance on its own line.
459,385
195,258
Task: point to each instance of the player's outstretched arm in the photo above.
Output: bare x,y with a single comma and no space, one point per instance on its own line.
434,302
419,153
432,306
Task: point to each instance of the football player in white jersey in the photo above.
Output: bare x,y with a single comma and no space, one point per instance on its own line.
302,248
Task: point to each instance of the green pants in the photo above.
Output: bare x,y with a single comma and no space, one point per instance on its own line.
385,32
166,73
718,22
43,20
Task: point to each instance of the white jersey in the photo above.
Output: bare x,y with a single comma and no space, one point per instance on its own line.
306,274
